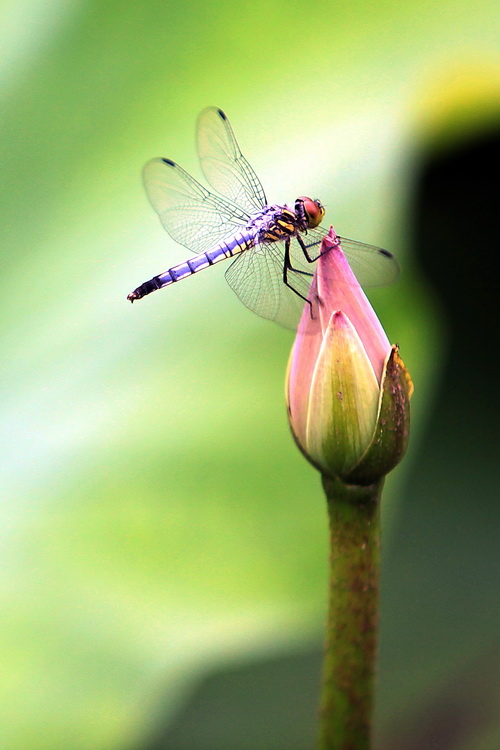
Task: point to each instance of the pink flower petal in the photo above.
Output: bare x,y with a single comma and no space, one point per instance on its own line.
340,313
301,365
339,289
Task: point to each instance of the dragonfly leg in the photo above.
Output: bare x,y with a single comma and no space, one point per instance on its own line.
288,259
317,298
308,257
287,266
302,244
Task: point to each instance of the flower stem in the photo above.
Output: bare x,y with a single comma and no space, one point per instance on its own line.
347,697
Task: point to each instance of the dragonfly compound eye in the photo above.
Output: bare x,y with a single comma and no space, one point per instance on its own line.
313,211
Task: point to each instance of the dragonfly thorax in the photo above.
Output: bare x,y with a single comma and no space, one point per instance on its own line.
280,222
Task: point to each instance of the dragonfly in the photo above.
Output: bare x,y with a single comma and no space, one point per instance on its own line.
273,246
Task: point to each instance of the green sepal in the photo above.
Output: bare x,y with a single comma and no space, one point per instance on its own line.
343,400
390,438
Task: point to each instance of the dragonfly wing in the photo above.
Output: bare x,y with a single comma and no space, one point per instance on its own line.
256,277
224,165
371,265
192,215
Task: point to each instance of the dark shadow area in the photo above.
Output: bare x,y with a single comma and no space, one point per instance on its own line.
263,704
456,238
459,713
441,611
441,603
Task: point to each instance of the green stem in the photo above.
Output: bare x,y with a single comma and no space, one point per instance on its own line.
351,639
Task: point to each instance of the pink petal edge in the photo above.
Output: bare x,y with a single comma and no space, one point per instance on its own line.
339,289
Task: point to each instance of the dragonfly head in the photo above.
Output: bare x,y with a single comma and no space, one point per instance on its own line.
310,212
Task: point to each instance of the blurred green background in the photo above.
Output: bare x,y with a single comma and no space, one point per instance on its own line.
163,543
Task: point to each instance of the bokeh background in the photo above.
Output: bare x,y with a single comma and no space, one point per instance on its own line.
163,544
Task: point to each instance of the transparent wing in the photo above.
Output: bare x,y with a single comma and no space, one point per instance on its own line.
371,265
256,277
192,215
223,164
